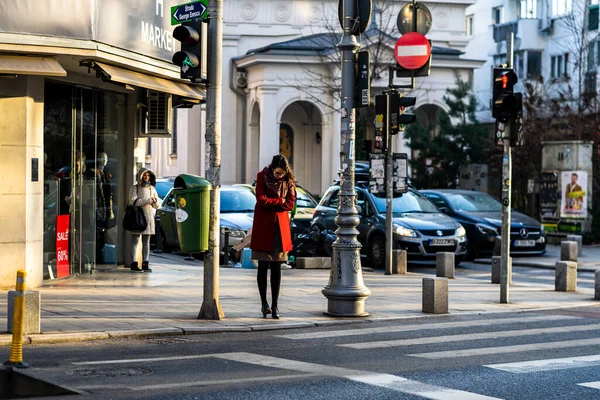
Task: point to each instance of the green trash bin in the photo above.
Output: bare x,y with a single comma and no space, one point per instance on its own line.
192,211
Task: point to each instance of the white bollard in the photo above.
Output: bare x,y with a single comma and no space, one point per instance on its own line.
444,265
579,240
399,260
566,276
568,251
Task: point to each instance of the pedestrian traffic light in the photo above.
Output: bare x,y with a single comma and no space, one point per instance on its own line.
398,105
190,56
504,101
381,105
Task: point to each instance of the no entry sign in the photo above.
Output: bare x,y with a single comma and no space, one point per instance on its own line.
412,50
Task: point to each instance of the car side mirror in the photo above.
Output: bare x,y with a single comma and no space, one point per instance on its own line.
443,210
360,210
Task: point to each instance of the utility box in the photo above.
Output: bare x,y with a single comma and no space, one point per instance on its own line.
192,211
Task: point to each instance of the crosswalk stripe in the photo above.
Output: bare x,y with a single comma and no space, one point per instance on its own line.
593,385
552,364
420,327
564,344
386,381
469,336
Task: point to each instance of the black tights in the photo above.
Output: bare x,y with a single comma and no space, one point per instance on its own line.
261,279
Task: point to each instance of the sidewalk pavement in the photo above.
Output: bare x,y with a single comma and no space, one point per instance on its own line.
116,302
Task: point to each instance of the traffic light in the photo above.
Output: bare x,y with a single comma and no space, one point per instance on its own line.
189,58
399,117
362,91
381,104
504,100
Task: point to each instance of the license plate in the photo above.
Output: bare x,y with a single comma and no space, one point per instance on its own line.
441,242
524,243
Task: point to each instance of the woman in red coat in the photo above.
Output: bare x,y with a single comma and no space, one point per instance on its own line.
271,235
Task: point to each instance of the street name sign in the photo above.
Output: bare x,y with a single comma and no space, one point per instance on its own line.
188,12
412,50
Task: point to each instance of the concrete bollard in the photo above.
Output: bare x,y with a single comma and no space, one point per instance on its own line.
566,276
597,285
32,312
399,260
568,251
435,295
496,269
313,263
444,265
579,240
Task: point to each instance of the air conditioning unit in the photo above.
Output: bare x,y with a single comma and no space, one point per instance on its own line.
547,25
158,118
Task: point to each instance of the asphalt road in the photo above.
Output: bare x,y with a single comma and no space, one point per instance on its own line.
491,356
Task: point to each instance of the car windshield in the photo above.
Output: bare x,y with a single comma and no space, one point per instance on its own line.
474,202
163,187
304,200
410,202
237,201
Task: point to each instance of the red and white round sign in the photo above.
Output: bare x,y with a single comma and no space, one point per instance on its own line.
412,50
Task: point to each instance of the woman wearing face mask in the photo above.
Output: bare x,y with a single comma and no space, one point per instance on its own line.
143,194
271,236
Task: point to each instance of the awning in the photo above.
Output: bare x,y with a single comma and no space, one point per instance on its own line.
127,77
24,65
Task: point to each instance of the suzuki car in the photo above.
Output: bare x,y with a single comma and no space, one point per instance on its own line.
419,227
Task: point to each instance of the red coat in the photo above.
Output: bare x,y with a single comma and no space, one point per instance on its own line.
270,208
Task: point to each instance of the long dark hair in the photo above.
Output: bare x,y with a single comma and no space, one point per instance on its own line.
279,161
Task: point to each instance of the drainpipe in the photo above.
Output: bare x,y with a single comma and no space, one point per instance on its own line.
242,96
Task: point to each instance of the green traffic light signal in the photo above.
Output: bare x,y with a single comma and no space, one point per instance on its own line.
189,57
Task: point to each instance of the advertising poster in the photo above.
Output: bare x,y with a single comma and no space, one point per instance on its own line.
549,195
377,178
573,194
62,245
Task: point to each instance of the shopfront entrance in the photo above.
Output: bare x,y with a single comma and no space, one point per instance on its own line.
84,193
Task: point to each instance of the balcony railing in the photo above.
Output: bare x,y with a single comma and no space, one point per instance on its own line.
502,30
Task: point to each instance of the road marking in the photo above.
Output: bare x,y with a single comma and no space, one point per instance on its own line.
141,360
552,364
593,385
386,381
269,378
469,336
564,344
419,327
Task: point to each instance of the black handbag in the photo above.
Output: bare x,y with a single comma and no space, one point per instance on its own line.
134,219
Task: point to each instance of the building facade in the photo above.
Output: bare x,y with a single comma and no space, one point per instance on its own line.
80,93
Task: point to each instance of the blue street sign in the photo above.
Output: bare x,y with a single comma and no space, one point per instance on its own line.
188,12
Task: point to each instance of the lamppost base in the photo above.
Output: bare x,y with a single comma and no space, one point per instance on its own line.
346,304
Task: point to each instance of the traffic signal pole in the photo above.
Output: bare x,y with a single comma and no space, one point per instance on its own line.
211,306
505,261
389,196
346,292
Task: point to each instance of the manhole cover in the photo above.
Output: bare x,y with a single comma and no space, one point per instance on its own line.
166,340
110,372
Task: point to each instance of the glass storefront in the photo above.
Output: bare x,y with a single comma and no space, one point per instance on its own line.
84,141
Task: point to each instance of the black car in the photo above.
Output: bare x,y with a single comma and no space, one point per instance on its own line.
419,227
481,215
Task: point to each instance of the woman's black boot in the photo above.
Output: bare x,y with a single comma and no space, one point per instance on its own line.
135,267
146,266
265,309
275,312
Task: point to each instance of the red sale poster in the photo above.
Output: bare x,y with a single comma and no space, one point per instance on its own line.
62,245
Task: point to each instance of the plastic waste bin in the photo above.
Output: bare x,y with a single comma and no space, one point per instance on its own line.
192,211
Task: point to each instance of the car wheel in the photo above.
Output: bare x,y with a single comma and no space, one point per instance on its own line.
376,251
163,242
471,253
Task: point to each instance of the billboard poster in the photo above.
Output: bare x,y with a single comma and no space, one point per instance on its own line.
573,194
377,170
549,195
62,245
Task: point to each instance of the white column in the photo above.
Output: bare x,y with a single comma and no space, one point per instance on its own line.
269,126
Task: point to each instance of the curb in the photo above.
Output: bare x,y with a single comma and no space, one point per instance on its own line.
50,338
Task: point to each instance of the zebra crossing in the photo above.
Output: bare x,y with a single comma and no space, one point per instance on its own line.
415,335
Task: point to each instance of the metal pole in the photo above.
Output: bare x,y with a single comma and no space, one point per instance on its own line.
389,234
346,292
505,264
211,307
